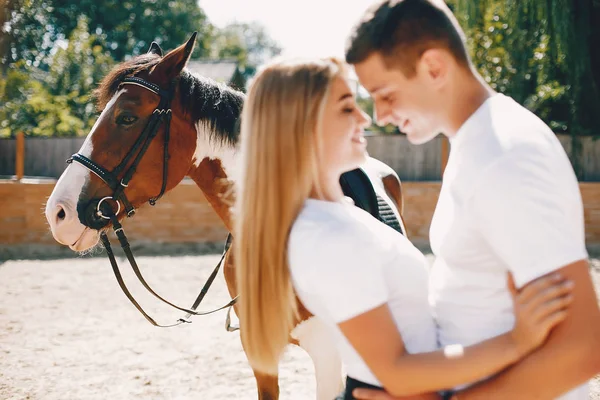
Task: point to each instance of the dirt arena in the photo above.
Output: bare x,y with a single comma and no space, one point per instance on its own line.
67,332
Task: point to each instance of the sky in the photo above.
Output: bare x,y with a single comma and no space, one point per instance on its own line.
303,28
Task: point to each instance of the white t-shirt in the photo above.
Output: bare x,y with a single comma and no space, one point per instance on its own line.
509,201
344,262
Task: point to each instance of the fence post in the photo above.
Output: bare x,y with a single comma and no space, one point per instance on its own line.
445,153
20,156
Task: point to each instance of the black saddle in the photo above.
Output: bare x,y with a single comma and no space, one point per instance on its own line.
357,185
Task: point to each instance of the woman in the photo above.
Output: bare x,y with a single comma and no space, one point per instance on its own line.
297,235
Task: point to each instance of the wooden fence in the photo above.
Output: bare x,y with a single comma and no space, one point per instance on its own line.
45,157
411,162
590,156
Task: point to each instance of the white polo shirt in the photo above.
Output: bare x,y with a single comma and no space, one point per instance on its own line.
509,201
344,262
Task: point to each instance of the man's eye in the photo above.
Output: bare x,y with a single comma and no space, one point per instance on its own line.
348,110
126,119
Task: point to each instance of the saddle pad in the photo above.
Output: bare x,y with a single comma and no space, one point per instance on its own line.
387,216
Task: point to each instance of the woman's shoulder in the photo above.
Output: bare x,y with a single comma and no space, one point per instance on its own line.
330,231
342,221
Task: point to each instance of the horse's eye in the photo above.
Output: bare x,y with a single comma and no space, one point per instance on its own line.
126,119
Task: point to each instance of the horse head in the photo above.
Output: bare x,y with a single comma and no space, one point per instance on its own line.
158,124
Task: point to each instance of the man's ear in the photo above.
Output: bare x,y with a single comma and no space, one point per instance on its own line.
434,64
173,63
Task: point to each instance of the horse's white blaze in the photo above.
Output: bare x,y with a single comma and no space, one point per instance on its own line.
206,149
316,339
69,230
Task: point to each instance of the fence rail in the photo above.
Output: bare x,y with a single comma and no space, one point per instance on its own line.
411,162
8,151
45,157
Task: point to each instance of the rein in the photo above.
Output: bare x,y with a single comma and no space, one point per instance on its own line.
99,213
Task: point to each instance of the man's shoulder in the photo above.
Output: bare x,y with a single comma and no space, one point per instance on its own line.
512,127
507,129
509,139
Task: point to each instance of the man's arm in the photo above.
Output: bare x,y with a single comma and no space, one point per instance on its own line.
570,357
374,335
529,212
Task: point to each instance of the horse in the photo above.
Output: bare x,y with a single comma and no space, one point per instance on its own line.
158,124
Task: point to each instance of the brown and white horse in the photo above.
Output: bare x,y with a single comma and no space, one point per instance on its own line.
201,132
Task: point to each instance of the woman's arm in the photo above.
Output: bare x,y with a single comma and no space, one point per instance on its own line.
375,337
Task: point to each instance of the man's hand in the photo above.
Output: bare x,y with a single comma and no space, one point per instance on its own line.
374,394
567,359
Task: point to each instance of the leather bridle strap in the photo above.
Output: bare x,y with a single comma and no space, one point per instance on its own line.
139,148
161,114
110,178
118,229
166,157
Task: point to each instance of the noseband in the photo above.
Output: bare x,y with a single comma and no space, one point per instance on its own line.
99,213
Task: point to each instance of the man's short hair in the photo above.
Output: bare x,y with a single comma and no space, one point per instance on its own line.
402,30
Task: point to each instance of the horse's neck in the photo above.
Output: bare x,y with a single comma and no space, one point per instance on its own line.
213,171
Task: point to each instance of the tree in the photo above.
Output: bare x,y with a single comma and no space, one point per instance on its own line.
127,27
23,32
248,43
123,27
57,102
55,52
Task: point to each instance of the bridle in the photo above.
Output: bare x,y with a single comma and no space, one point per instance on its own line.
99,213
94,216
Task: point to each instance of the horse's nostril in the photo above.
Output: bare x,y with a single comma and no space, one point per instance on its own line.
61,214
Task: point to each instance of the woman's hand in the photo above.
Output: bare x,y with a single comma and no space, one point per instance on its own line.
538,308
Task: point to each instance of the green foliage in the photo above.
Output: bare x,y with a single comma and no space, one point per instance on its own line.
29,107
542,53
24,32
57,102
122,27
127,27
248,43
53,53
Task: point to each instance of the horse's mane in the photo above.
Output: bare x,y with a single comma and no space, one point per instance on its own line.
217,106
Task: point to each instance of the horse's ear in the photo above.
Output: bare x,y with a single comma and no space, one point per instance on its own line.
173,63
155,49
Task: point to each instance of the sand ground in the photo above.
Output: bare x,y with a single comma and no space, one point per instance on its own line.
68,333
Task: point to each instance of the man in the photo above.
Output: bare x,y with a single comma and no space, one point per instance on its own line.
509,199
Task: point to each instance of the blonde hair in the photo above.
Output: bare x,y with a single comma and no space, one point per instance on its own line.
279,138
